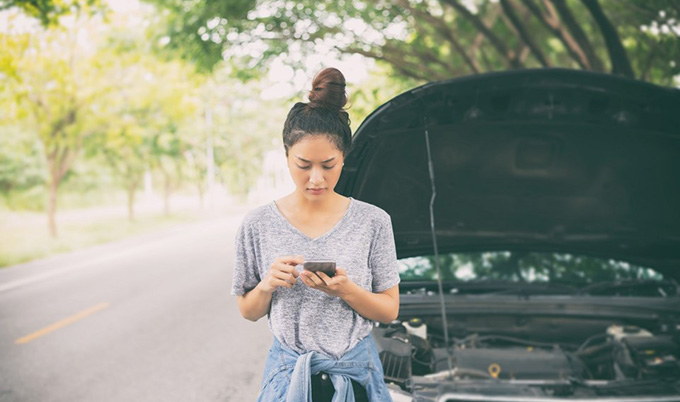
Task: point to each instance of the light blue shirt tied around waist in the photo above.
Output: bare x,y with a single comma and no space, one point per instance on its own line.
288,374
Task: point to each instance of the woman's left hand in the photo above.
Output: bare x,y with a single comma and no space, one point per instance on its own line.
339,285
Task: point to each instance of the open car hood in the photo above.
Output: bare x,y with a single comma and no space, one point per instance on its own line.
547,159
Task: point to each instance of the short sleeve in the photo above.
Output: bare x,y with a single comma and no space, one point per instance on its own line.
246,275
383,257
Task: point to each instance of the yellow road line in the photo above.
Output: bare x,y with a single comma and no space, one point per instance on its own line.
62,323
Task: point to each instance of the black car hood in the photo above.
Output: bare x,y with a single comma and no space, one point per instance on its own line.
548,159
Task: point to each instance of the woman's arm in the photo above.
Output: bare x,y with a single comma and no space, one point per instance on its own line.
256,303
383,306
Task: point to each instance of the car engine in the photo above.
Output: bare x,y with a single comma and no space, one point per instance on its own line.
620,353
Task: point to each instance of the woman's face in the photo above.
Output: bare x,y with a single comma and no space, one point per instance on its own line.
315,165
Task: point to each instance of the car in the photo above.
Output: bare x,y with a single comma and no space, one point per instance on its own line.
536,217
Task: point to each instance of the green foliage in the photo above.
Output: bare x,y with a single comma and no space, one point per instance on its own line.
381,86
49,11
650,34
112,110
152,99
197,30
29,199
520,266
438,39
21,161
243,128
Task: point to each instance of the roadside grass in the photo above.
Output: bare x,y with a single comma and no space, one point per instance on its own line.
29,242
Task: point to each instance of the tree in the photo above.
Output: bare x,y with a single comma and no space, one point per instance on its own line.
184,22
49,11
57,89
441,39
124,152
21,163
244,128
152,101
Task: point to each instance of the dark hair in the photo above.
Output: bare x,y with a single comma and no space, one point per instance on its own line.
323,115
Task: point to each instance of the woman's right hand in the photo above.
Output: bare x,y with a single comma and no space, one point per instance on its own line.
282,272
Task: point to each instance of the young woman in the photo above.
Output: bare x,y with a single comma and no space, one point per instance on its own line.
320,324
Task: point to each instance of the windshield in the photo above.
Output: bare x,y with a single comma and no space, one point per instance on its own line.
583,274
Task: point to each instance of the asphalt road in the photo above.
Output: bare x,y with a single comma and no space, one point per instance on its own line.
145,319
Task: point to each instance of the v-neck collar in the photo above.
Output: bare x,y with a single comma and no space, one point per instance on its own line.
323,236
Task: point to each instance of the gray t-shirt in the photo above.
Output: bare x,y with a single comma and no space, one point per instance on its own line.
306,319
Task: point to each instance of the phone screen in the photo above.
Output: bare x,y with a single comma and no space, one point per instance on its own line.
327,267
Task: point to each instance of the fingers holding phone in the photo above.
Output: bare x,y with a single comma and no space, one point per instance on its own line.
317,276
282,273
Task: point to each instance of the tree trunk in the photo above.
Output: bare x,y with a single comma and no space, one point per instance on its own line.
52,207
167,188
443,30
552,23
508,55
617,53
523,33
201,196
131,202
578,34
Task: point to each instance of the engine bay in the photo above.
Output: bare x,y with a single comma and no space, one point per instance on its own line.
616,359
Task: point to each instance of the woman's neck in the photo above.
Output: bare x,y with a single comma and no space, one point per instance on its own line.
298,202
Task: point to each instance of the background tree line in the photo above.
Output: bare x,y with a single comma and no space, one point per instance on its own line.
92,99
439,39
85,105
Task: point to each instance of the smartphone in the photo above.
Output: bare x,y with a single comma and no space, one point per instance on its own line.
327,267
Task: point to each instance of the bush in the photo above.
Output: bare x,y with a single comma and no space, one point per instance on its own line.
31,199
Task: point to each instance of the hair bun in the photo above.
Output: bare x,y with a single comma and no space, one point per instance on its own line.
328,90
